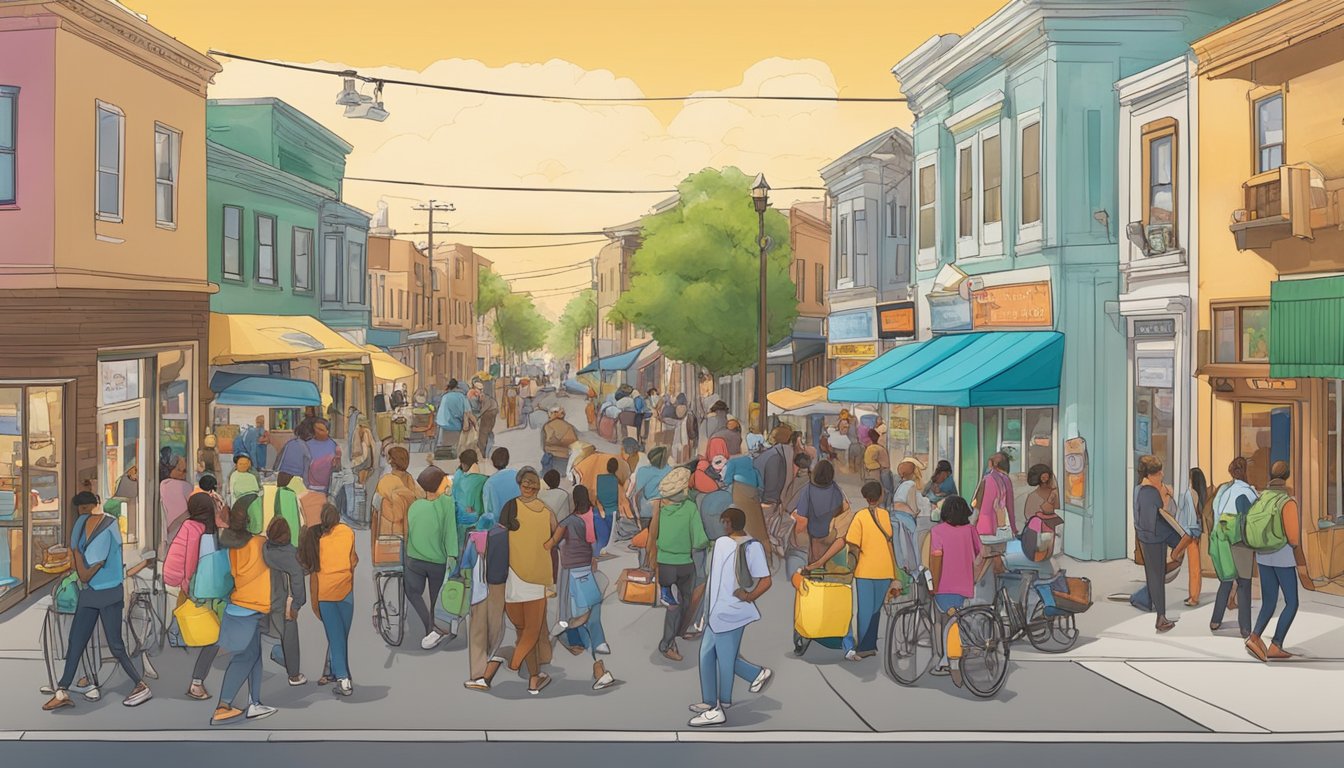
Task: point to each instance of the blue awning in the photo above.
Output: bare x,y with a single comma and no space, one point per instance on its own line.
966,371
263,391
618,362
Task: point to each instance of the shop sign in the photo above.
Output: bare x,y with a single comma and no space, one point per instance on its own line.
856,325
1272,384
1024,305
120,381
1155,371
862,350
949,312
1155,328
896,320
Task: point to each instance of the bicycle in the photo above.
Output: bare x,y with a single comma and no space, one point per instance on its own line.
389,615
971,638
1027,614
146,628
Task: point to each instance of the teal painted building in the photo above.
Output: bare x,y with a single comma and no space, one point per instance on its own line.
1014,212
281,241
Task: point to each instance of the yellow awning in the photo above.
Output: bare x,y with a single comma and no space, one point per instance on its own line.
387,367
254,338
791,399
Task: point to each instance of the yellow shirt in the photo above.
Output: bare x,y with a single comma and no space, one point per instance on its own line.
251,577
871,532
873,456
336,572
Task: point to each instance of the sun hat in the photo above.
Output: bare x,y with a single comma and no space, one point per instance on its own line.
675,483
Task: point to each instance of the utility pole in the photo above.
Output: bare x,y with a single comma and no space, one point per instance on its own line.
596,321
427,300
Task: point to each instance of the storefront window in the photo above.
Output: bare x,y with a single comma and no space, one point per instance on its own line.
945,439
46,450
922,438
1266,436
1332,424
12,507
175,405
32,458
1039,432
899,437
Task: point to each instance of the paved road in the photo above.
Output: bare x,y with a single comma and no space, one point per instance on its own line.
407,688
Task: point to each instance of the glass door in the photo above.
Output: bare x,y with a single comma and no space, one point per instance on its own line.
123,455
1266,436
13,496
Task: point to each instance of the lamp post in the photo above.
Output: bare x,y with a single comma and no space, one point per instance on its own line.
760,198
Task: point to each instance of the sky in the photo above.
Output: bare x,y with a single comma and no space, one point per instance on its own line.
590,48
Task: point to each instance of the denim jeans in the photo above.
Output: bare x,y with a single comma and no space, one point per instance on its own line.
244,664
947,602
1274,580
870,594
1243,587
590,634
94,606
337,615
719,663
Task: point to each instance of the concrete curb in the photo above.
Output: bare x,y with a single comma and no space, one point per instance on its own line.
685,737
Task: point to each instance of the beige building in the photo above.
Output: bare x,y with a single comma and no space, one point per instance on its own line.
401,303
456,268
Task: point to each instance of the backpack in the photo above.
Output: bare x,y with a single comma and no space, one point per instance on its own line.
1264,522
744,578
1226,516
497,555
1220,552
213,579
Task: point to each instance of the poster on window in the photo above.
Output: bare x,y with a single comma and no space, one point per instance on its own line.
120,381
1075,471
1155,371
1143,435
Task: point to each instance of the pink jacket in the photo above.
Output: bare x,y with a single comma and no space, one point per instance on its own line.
183,554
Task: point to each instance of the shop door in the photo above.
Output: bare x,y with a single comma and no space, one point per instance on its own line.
122,465
1265,435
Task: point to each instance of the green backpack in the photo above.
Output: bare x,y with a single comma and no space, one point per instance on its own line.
1264,522
1220,551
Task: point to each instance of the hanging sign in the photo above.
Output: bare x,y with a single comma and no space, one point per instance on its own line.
1155,371
949,312
896,320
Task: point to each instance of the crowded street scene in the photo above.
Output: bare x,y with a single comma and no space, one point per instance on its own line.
966,392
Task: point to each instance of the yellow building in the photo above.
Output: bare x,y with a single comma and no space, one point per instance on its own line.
104,298
1270,95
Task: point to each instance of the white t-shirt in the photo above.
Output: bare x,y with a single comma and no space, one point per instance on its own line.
726,612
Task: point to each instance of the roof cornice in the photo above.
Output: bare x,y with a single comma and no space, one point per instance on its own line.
1265,33
224,164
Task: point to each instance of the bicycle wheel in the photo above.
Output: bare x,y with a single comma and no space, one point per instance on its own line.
1052,634
390,610
910,647
984,651
141,632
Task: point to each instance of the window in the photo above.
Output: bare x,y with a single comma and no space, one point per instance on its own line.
1159,184
233,242
1031,174
434,279
928,198
419,274
602,282
110,153
860,231
1269,133
799,279
331,267
167,148
991,187
355,263
382,295
1241,334
442,302
842,259
893,227
303,260
9,134
819,283
457,269
965,192
401,305
265,249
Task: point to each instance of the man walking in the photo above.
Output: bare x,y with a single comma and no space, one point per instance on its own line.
674,534
451,416
557,435
486,409
1276,519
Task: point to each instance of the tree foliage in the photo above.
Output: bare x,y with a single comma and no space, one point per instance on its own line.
519,328
695,277
491,289
579,314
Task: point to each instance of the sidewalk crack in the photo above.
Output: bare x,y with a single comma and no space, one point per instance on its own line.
845,701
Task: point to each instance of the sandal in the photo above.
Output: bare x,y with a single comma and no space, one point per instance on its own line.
543,680
1192,602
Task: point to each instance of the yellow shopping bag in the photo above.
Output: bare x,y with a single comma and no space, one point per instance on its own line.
197,623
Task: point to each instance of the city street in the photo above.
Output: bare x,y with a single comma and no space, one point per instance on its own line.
1120,679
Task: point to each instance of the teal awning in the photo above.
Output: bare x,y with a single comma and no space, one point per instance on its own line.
1306,328
263,391
617,362
965,370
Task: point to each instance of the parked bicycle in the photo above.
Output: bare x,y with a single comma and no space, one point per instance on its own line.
389,607
1041,611
971,640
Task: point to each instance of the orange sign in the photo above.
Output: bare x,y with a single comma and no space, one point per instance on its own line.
896,321
1025,305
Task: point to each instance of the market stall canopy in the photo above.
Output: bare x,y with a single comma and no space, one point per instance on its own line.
1306,328
623,361
574,386
254,338
964,370
794,403
263,391
387,367
796,348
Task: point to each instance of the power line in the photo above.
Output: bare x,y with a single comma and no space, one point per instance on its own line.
580,286
526,247
519,234
551,97
579,190
540,273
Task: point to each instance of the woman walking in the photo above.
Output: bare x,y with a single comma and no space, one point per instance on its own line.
1154,533
288,594
327,551
431,542
240,627
817,504
530,524
580,597
179,567
1189,514
1234,500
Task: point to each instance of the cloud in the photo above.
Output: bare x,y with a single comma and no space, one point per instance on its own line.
475,139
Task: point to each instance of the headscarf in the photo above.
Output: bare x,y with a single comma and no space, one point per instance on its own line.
675,483
706,477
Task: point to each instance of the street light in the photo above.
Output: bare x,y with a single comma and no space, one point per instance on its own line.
760,198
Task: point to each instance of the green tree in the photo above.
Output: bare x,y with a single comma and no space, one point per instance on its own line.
579,314
695,277
518,327
491,289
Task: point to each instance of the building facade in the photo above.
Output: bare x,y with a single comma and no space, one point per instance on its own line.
1269,351
457,268
799,362
104,294
401,302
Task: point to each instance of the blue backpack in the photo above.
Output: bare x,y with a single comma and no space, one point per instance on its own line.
213,579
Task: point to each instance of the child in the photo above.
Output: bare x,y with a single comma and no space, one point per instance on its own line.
243,480
287,503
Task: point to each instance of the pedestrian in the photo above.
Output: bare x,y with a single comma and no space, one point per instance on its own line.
730,607
179,568
287,490
431,543
95,543
207,458
254,441
289,592
468,488
487,413
327,551
325,458
530,524
631,454
488,564
1040,531
209,486
399,398
1275,517
557,435
941,485
579,597
1189,513
716,420
243,480
501,487
676,532
954,549
395,493
555,497
451,415
1231,504
294,457
817,504
993,500
174,490
1154,534
248,607
611,505
363,452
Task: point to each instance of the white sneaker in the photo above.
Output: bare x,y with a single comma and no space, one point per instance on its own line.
139,696
432,640
92,694
298,680
257,711
605,681
852,656
604,649
343,687
761,681
703,707
709,719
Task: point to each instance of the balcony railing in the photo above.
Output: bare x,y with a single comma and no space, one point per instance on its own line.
1289,201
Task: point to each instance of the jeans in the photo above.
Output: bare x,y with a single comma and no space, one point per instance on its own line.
719,663
1243,603
1155,574
418,574
946,603
285,652
590,634
1274,580
679,618
871,594
94,606
337,615
244,664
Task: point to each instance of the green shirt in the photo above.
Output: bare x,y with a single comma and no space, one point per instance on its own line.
431,530
287,507
680,531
